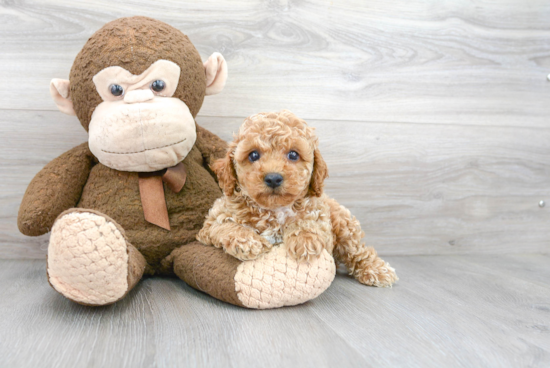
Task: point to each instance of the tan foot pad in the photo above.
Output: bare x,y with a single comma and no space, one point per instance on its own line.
88,259
275,280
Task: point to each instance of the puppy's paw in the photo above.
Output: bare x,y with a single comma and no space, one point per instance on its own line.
379,274
305,246
245,245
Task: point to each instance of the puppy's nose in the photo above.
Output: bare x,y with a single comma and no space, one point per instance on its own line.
273,180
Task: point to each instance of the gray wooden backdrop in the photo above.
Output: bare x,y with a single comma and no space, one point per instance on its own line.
433,116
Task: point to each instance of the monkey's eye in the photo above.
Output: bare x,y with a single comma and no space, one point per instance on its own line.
254,156
116,90
158,85
293,156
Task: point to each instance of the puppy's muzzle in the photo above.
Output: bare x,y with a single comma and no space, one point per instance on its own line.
273,180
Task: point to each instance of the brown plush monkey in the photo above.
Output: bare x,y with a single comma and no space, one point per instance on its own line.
131,200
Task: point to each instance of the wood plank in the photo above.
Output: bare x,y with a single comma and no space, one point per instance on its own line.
406,61
417,189
437,189
452,311
30,139
162,322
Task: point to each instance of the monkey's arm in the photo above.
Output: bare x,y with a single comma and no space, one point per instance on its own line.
211,147
56,188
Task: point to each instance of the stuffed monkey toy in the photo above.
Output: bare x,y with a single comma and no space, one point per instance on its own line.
129,202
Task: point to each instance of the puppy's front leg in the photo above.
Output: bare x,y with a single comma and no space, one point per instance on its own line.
305,240
236,240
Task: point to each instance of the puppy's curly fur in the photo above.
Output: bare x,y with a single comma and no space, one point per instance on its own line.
253,216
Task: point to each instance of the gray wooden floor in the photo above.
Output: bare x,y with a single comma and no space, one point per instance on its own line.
461,310
433,119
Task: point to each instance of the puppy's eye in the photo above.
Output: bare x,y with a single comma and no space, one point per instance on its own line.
254,156
116,90
158,85
293,156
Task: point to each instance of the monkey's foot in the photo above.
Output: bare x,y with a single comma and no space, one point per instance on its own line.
90,260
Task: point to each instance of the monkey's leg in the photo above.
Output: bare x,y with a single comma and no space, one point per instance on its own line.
90,261
272,280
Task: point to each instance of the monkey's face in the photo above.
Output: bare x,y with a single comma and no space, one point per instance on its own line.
140,126
136,86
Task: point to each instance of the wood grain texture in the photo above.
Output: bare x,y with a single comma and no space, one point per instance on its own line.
482,63
437,189
452,311
433,116
417,189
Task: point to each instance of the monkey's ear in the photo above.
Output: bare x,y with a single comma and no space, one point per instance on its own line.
215,69
60,90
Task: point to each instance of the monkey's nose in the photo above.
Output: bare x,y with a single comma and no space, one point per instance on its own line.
273,180
138,95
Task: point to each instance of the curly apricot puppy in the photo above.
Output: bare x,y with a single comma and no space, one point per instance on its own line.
272,177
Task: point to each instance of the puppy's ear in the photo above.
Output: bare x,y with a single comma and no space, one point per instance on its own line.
320,173
225,172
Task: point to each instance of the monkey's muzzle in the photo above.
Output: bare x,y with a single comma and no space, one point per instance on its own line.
142,137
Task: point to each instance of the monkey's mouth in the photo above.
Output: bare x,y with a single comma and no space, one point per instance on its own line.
145,149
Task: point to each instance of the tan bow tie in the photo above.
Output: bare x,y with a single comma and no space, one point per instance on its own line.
151,192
